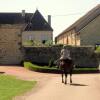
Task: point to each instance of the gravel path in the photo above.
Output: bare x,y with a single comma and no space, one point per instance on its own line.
49,87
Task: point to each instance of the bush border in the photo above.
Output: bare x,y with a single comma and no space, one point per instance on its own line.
46,69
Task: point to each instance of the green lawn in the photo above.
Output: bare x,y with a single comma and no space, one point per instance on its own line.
10,87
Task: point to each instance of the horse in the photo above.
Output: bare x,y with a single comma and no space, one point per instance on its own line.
66,67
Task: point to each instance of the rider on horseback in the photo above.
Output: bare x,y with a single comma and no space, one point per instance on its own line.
66,63
65,55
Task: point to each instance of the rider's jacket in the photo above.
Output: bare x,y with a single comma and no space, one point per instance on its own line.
65,54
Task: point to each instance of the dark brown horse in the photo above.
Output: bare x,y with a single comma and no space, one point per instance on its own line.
66,67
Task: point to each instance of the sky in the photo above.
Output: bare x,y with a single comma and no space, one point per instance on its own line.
63,12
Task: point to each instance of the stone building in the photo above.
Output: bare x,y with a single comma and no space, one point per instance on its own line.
85,31
18,27
38,29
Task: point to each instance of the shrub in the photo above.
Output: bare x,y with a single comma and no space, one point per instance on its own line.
47,69
37,68
51,62
49,43
97,49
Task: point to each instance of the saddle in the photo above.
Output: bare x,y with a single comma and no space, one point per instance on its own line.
65,61
66,64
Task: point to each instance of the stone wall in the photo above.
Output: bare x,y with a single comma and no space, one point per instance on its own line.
98,56
41,55
11,51
82,56
10,44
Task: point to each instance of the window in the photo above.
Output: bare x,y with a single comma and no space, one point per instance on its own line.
30,38
44,41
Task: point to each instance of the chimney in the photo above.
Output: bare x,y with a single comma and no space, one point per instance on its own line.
49,20
23,13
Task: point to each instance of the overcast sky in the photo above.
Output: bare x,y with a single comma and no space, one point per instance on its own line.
63,12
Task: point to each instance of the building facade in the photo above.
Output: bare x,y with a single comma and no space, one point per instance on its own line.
14,29
38,29
85,31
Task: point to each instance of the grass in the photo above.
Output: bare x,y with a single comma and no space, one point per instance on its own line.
29,43
10,87
86,70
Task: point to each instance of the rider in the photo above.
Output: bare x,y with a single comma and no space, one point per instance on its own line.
65,55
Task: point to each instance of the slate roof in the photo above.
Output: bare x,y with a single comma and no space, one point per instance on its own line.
14,18
34,21
38,23
84,20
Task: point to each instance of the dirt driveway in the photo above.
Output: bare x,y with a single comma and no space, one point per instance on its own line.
84,87
23,73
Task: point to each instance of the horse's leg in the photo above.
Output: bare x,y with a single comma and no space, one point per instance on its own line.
65,78
62,77
71,71
70,76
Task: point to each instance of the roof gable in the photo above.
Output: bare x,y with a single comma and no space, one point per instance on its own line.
84,20
38,23
90,16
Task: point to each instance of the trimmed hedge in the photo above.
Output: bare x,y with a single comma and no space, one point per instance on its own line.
46,69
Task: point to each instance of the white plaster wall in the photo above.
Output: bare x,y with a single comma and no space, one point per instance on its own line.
36,35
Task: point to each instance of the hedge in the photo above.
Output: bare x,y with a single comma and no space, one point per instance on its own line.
46,69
